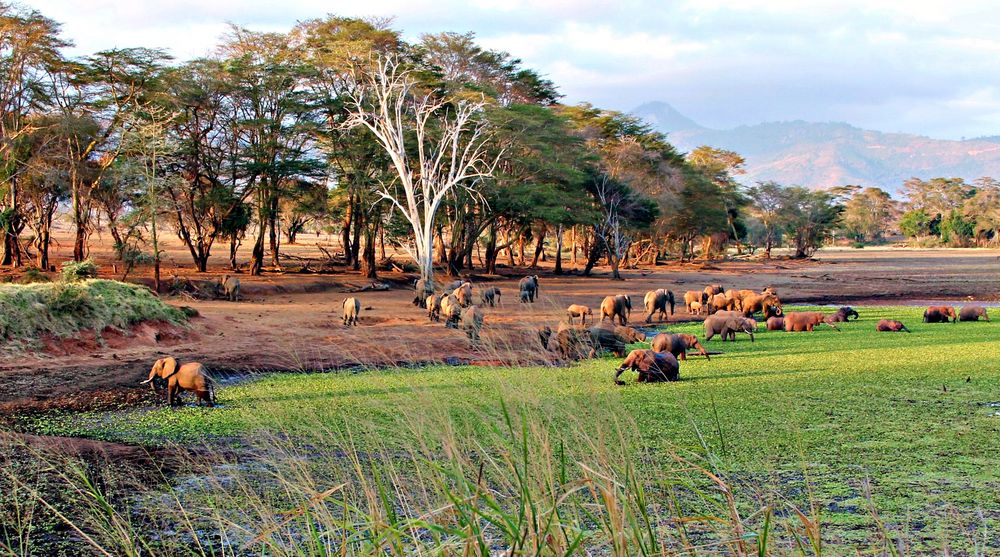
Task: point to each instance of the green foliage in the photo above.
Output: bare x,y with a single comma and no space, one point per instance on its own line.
72,271
32,275
916,223
956,229
62,309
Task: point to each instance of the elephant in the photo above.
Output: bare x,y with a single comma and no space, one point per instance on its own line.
727,326
454,284
472,322
760,302
230,288
602,338
463,294
940,314
490,296
629,334
775,323
719,302
714,289
620,306
653,367
890,325
843,314
772,311
695,308
451,310
191,376
656,302
802,321
577,310
972,313
422,289
692,296
433,303
677,344
571,344
529,288
352,307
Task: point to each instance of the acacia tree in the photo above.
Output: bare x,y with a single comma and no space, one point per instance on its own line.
435,145
767,199
868,214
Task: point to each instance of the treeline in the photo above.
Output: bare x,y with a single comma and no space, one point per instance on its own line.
456,154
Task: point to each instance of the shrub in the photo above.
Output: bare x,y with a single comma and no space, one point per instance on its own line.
858,245
28,311
33,275
73,271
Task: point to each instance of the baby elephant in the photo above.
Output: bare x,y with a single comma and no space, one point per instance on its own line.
939,314
973,313
677,344
451,310
843,314
352,307
472,322
230,288
890,326
728,326
529,288
191,376
490,296
433,303
775,323
801,321
652,366
576,310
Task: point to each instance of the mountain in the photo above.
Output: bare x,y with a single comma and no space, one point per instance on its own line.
831,154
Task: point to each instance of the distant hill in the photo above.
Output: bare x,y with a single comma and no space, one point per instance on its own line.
831,154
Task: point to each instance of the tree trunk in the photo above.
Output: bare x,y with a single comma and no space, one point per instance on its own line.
559,246
369,267
490,262
595,254
345,233
274,238
234,246
539,246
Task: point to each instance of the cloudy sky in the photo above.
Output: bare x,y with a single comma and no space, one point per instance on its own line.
918,66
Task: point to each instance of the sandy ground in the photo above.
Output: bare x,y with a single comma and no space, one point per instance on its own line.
292,321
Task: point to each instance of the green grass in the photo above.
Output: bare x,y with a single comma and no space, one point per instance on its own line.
840,421
61,309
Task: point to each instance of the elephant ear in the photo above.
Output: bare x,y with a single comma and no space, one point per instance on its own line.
168,368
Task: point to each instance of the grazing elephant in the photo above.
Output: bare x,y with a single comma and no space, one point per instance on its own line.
230,288
490,296
940,314
692,296
529,288
656,301
653,367
761,302
352,307
801,321
472,322
629,334
451,310
617,306
972,313
843,314
677,344
571,344
433,303
775,323
422,290
576,310
890,326
602,338
191,376
772,311
727,326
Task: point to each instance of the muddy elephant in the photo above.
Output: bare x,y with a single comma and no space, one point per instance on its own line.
490,296
719,302
765,303
451,310
677,344
843,314
653,367
714,289
571,344
803,321
529,288
775,323
692,296
890,326
656,301
422,289
973,313
940,314
191,376
451,286
727,326
352,307
629,334
619,306
463,294
472,322
433,303
230,288
577,310
603,338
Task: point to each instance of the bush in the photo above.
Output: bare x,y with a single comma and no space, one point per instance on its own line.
28,311
33,275
73,271
858,245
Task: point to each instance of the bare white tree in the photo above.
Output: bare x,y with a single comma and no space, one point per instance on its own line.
611,230
435,145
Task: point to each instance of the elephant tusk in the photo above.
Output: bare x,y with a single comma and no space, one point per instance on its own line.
146,381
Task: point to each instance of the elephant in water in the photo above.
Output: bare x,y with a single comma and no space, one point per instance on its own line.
191,376
652,366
